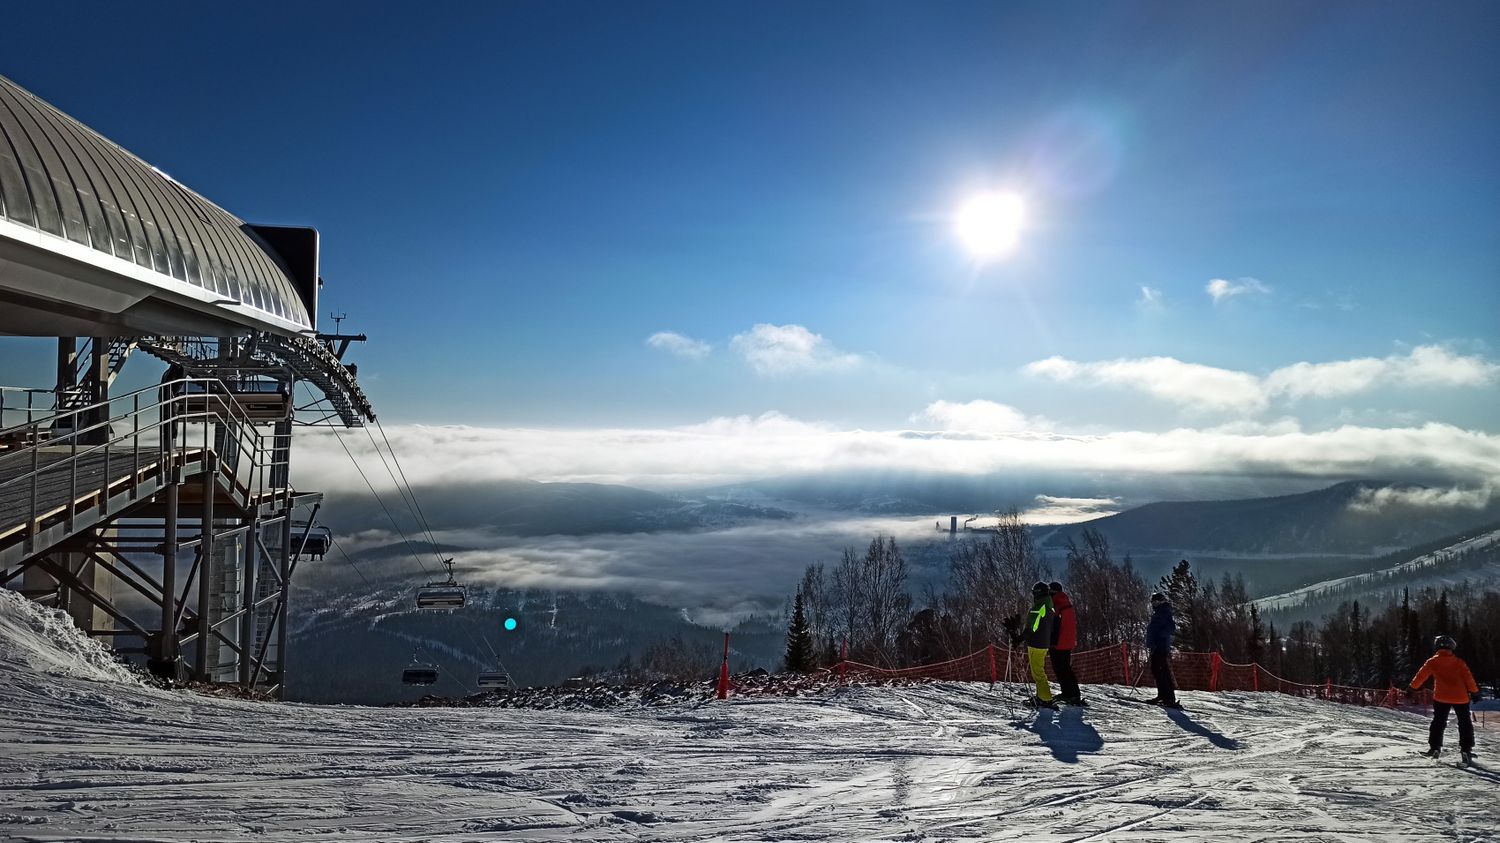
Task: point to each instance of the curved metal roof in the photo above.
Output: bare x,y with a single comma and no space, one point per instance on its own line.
63,179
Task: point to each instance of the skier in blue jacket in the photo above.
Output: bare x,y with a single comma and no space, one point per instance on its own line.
1159,643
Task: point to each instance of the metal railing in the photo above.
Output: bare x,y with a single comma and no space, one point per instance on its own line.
30,404
177,422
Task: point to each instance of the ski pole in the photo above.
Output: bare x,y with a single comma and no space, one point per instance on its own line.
1137,682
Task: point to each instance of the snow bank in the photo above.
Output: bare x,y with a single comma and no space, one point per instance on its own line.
42,640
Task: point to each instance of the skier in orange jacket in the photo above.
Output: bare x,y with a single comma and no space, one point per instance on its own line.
1452,686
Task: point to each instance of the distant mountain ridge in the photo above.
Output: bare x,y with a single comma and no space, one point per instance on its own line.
1345,518
1470,559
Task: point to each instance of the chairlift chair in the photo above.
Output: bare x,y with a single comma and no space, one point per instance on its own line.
319,540
493,679
419,672
447,594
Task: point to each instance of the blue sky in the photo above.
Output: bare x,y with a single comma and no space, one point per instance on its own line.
514,197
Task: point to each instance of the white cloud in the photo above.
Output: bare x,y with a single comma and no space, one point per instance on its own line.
1425,365
1220,289
978,416
727,450
1193,385
1326,380
1167,378
1433,365
789,349
678,568
679,345
1050,509
1376,500
1150,298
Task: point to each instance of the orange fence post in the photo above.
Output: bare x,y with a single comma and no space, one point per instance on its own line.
992,665
724,671
843,659
1125,660
1255,675
1328,689
1213,670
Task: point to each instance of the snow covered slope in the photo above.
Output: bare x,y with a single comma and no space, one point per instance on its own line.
85,755
1423,570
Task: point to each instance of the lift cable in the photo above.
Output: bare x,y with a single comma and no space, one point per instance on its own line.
397,460
350,560
408,496
416,507
347,558
380,501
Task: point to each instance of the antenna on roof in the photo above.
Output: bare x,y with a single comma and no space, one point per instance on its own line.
337,318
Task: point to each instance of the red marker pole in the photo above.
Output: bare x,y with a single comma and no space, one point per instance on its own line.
843,658
992,665
724,671
1125,660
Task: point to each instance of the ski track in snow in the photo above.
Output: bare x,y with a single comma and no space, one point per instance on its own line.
89,757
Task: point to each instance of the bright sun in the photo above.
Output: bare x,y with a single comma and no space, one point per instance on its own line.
990,224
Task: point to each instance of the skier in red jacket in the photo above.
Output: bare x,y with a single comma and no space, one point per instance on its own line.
1064,639
1451,689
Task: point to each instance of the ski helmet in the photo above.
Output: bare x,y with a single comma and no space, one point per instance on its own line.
1158,597
1039,589
1054,586
1444,642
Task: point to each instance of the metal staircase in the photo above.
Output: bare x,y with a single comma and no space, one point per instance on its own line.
60,485
86,386
102,497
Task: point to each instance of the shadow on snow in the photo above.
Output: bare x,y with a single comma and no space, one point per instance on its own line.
1188,724
1066,734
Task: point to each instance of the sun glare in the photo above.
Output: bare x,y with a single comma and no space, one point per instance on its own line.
989,224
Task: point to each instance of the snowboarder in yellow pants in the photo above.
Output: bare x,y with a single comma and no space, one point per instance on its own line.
1038,639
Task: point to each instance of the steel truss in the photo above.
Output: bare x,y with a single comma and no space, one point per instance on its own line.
97,495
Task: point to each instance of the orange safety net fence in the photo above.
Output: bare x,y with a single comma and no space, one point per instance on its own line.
1125,665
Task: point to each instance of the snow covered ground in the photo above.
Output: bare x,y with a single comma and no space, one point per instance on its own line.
1411,566
87,755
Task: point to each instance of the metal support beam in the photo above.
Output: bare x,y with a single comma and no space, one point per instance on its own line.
118,559
247,596
271,567
166,645
19,570
260,656
120,575
71,580
205,572
187,587
280,620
